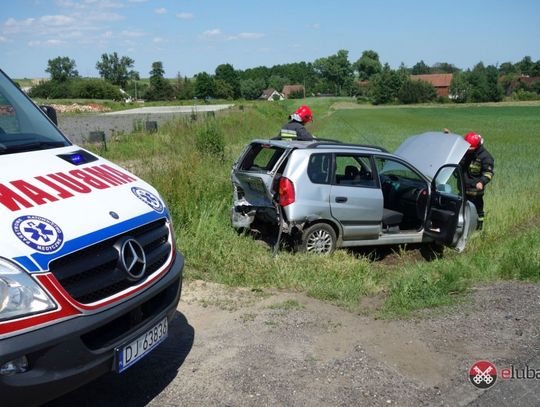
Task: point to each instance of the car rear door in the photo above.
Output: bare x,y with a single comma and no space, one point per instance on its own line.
450,218
356,200
254,172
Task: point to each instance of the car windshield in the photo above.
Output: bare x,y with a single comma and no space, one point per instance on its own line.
23,126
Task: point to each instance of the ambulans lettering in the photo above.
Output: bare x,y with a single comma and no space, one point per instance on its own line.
44,189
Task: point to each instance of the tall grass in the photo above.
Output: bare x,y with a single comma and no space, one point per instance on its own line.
195,181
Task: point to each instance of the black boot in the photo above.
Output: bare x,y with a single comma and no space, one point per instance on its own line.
480,225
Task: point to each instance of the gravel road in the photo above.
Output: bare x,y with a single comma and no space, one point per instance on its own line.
237,347
78,127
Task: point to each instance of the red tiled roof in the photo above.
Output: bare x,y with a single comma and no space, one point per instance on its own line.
439,80
288,89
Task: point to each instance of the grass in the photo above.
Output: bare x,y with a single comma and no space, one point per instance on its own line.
197,187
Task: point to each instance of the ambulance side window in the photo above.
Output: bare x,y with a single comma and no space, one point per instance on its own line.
8,117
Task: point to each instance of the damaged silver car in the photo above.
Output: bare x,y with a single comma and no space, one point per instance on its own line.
322,195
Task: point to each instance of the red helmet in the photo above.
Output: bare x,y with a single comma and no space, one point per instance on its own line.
474,140
305,114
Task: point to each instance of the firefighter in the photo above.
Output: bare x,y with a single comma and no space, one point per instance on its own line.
295,129
477,167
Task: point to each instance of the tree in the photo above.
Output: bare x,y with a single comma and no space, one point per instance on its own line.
205,85
115,69
444,67
336,69
416,91
494,90
507,68
420,68
251,89
368,65
61,69
278,82
223,90
526,65
460,88
385,85
160,88
227,74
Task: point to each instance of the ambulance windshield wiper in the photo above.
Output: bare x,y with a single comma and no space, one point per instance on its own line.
31,146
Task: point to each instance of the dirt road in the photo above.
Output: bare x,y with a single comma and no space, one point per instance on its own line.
236,347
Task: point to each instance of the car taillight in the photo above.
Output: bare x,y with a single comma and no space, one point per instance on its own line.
286,191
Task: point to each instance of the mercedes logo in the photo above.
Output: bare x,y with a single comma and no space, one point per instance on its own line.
131,258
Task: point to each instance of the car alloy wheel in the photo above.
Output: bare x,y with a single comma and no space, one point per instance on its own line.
319,238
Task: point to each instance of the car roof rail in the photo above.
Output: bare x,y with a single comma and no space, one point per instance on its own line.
335,143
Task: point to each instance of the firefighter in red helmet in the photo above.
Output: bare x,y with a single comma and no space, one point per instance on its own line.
477,167
295,128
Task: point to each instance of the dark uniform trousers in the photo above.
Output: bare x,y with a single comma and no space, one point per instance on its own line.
478,167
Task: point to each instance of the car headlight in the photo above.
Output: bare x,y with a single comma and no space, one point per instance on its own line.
20,294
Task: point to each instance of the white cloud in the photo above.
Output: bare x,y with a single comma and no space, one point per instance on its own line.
185,16
46,43
57,20
246,36
3,39
314,26
86,4
132,33
157,40
216,32
161,10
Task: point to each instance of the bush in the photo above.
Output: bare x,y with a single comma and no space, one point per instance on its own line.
416,91
76,89
209,140
521,94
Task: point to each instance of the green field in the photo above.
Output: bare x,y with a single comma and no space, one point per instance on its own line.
197,188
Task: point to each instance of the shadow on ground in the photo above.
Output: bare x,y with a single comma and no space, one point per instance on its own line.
138,385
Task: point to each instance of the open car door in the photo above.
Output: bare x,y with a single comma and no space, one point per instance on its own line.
450,218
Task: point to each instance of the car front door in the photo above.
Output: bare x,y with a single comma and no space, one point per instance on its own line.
356,200
450,218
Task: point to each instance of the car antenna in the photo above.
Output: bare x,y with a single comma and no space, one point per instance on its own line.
357,132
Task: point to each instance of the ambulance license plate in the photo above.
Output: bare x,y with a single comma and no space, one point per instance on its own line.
134,351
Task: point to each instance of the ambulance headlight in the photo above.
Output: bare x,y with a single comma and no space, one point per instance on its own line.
20,294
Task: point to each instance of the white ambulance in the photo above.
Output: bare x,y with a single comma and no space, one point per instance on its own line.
89,273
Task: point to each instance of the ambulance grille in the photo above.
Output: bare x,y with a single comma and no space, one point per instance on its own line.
91,274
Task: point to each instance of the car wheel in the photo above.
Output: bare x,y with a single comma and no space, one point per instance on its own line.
319,238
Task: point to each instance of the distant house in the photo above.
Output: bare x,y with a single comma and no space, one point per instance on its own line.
440,81
271,94
294,90
526,80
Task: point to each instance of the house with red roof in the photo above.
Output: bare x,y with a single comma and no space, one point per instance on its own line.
440,81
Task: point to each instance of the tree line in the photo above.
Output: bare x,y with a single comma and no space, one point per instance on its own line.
367,78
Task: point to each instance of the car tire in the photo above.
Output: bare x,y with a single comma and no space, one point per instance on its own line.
319,238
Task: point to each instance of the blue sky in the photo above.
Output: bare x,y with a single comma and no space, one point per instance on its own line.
191,36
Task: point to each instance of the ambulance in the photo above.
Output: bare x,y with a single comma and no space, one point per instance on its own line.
90,276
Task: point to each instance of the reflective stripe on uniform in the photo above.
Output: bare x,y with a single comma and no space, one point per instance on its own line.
288,134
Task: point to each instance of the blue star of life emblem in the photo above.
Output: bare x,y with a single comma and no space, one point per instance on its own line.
148,198
39,233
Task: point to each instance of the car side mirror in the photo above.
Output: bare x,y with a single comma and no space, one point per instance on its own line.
51,113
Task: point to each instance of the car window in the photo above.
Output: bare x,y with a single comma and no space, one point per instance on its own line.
354,170
319,168
392,169
448,181
261,157
23,126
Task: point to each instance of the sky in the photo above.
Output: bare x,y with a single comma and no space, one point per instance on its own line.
192,36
